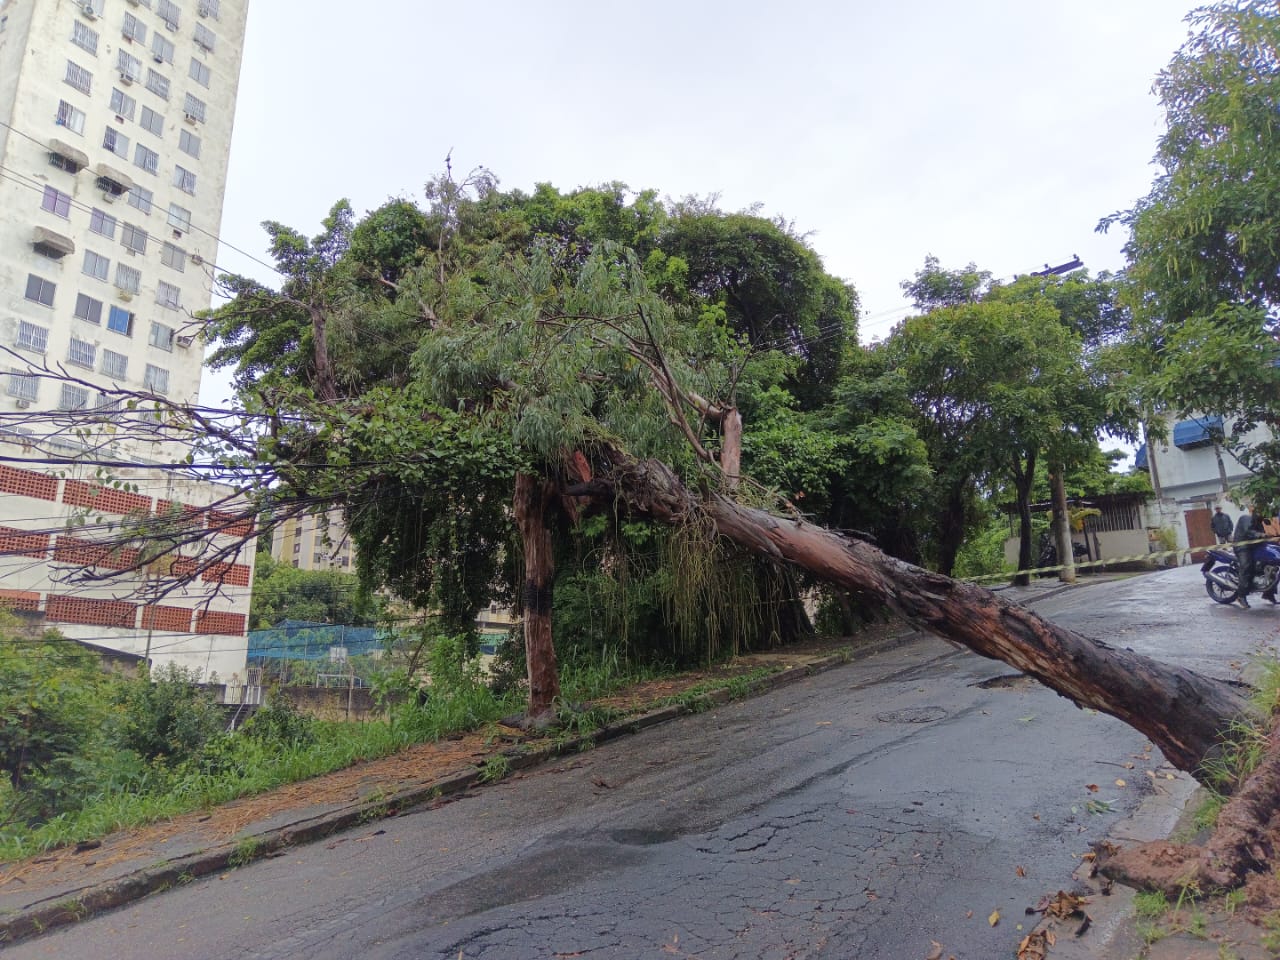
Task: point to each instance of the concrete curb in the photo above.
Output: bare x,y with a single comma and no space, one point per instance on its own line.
73,906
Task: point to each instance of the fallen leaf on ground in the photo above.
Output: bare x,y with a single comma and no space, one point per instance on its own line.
1121,783
994,918
935,951
1019,871
1034,946
1091,787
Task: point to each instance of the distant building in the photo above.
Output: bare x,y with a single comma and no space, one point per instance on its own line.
115,130
314,541
1191,473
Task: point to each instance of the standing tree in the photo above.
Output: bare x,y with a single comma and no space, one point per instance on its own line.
1204,267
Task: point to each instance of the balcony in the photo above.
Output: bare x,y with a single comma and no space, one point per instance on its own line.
51,244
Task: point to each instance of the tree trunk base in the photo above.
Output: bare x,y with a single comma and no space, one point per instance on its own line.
1243,844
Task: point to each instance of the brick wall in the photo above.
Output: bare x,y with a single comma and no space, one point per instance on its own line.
85,553
23,543
236,575
160,617
77,493
28,483
20,600
98,613
216,621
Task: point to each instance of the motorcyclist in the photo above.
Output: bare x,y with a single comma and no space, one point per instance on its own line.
1248,527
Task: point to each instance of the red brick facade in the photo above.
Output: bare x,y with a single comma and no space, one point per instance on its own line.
76,551
77,493
236,575
158,617
85,553
215,621
98,613
23,600
28,483
23,543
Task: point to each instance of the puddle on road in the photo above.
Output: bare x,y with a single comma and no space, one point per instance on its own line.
912,715
1007,681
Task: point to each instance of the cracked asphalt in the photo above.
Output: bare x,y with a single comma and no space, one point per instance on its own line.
863,812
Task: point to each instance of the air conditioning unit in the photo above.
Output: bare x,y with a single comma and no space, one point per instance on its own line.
158,58
190,117
184,342
109,197
197,260
89,12
126,77
23,404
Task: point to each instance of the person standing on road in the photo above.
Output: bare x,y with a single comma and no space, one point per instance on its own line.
1221,525
1248,527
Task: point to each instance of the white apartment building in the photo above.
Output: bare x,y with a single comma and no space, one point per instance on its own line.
115,130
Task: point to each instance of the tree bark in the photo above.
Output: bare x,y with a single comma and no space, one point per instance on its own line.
533,498
1062,525
1183,713
1023,479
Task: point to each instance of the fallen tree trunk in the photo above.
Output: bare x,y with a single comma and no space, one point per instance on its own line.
1184,713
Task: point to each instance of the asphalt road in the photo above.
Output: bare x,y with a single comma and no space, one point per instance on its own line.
865,812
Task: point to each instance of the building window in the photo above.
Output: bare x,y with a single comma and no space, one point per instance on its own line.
152,122
102,223
140,197
88,309
133,238
169,12
83,36
199,72
167,295
120,320
208,8
96,265
155,379
146,158
189,143
114,365
22,385
127,278
70,117
184,180
57,202
116,142
193,107
161,49
78,77
122,104
81,353
161,336
158,84
32,336
40,290
130,67
179,218
134,29
173,256
73,397
205,38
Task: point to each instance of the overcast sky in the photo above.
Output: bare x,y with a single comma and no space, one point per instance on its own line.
993,131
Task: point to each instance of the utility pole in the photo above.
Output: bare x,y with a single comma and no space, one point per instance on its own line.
1061,517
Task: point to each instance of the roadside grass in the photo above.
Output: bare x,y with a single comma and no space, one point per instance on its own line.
246,766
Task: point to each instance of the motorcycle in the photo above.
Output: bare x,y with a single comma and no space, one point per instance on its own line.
1222,573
